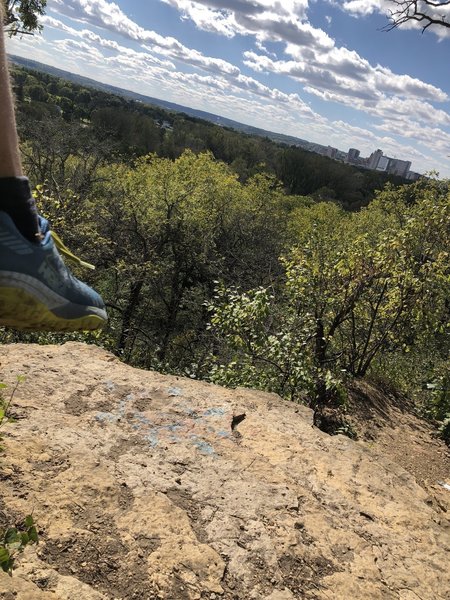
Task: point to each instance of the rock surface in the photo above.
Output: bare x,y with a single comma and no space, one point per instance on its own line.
157,487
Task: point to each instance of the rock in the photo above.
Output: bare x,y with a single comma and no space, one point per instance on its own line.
281,595
141,489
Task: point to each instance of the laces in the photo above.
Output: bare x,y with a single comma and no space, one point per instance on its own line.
67,253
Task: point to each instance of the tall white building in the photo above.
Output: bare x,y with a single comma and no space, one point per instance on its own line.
382,163
353,154
331,152
374,159
398,167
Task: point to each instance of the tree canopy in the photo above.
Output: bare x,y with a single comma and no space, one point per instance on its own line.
232,258
22,16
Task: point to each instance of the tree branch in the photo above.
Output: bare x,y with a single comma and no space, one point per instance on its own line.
425,12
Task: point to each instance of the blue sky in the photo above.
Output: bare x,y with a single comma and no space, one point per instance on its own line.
321,70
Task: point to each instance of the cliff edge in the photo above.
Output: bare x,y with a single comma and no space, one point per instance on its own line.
146,486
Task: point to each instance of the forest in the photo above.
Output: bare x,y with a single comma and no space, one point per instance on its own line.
231,258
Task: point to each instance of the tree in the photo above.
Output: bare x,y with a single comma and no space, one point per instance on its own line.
165,215
165,232
425,12
36,92
262,342
373,281
22,16
357,286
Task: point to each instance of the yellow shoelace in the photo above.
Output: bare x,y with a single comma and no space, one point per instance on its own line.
66,252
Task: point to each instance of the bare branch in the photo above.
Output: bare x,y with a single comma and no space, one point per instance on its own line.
425,12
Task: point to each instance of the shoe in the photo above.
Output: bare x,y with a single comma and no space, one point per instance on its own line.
37,290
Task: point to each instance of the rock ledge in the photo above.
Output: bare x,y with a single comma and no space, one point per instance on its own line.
143,489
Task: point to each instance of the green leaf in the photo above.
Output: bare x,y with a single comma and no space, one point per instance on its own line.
10,565
4,556
33,534
12,536
29,521
16,546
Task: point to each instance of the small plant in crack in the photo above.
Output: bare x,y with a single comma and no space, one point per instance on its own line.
13,540
5,404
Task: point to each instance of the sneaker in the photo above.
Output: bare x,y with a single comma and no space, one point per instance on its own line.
37,290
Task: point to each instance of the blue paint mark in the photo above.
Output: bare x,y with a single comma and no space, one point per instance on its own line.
106,416
140,417
174,391
189,412
122,406
203,446
214,412
174,427
172,431
152,437
152,432
223,433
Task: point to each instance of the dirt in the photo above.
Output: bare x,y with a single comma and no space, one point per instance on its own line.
386,422
156,487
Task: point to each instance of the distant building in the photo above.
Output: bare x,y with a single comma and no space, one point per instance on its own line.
383,163
374,159
398,167
353,154
377,161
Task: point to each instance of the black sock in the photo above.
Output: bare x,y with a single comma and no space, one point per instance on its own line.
17,201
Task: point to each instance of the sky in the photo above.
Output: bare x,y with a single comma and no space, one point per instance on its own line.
321,70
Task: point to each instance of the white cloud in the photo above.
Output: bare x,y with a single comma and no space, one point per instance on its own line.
109,16
94,38
306,54
364,7
316,59
226,78
176,51
330,72
341,75
241,14
392,9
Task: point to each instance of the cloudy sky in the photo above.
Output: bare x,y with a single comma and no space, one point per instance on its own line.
321,70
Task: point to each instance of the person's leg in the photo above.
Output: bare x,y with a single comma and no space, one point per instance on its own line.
15,196
37,291
10,165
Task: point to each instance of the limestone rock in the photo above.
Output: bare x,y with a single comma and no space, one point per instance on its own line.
142,489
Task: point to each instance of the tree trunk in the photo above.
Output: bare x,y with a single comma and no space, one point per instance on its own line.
128,313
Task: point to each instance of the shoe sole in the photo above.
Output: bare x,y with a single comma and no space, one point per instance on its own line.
22,310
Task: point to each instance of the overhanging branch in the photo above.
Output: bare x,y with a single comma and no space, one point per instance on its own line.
425,12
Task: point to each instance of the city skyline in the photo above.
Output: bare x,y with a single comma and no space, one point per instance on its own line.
321,71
